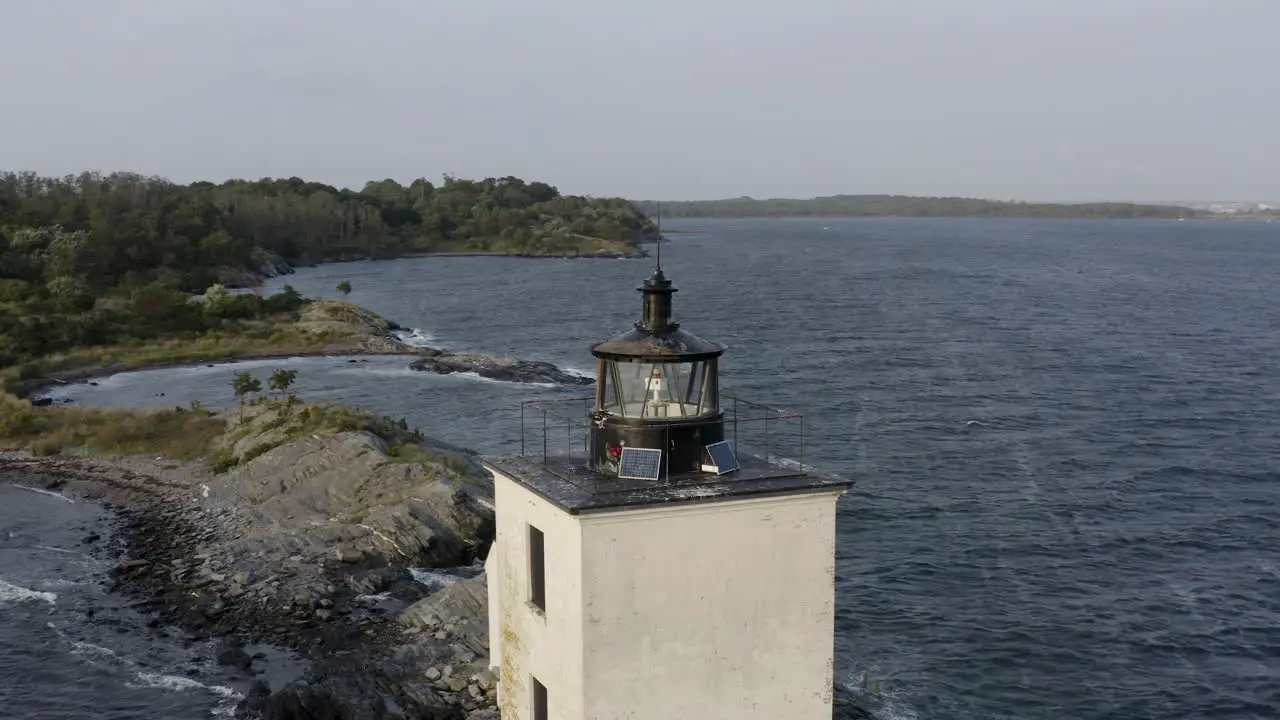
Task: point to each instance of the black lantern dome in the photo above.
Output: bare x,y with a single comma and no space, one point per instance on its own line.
658,388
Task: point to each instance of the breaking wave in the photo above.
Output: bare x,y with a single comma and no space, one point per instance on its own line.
18,594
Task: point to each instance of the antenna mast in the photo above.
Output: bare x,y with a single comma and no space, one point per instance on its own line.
659,242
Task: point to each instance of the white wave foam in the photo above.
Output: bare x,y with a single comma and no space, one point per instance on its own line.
56,549
16,593
177,683
579,373
414,337
433,580
481,378
789,464
380,597
96,651
896,708
367,371
143,679
50,493
60,582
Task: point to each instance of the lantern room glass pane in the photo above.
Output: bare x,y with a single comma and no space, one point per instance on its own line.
660,391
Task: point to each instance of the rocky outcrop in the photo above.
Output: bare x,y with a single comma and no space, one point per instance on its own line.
496,367
262,264
309,544
350,325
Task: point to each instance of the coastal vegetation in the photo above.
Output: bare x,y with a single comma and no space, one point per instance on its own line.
152,327
906,206
260,422
59,320
124,228
177,433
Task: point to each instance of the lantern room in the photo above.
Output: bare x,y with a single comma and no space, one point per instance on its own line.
657,388
594,597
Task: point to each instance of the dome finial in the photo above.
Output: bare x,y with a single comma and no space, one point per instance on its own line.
657,316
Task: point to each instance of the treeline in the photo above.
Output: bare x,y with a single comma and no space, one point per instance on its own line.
905,206
126,227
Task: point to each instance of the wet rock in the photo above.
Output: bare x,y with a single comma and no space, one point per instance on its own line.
234,655
296,701
485,679
378,580
494,367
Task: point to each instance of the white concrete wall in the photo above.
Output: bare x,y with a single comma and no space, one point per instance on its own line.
719,610
523,641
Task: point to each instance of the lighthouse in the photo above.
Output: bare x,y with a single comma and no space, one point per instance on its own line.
649,566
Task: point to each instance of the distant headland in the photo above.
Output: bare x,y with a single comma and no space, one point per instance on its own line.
852,206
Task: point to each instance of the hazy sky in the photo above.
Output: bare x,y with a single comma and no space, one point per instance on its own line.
669,99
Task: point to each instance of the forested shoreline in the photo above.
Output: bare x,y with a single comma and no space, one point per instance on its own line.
100,260
837,206
126,224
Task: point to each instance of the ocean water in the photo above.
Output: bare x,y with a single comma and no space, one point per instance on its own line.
70,649
1066,435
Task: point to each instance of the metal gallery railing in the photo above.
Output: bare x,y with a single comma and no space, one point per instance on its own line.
561,428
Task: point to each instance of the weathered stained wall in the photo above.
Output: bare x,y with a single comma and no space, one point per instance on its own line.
523,641
714,610
719,610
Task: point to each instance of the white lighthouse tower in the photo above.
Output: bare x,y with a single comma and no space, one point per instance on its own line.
661,574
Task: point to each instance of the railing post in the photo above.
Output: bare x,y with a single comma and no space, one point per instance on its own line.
766,433
802,441
666,453
735,424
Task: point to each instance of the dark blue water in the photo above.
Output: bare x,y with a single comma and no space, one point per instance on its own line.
68,648
1066,434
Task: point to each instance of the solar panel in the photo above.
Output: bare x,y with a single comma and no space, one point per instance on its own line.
640,464
722,457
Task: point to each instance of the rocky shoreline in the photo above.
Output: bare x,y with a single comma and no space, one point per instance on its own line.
369,334
311,546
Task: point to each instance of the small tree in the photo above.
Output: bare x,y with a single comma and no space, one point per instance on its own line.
344,287
70,294
244,384
281,380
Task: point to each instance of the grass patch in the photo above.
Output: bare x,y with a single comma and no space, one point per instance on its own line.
329,327
177,433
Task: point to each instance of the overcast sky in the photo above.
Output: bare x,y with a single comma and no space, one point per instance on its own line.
666,99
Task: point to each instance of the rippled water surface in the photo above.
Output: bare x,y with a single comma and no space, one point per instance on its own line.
1066,434
68,649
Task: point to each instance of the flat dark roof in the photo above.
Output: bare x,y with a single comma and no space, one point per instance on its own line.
572,486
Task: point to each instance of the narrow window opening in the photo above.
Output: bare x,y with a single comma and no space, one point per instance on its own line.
537,570
539,700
